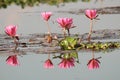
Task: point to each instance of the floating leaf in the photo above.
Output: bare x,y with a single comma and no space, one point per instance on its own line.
98,46
68,43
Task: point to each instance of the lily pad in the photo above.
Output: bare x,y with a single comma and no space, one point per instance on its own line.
68,43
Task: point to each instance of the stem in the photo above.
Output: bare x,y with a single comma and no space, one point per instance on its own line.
68,32
49,56
91,26
49,31
93,55
16,42
64,31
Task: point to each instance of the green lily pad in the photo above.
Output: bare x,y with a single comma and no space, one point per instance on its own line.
68,43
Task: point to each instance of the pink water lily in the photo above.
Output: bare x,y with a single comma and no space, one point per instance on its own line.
11,30
12,60
91,13
46,15
67,63
65,23
93,64
48,64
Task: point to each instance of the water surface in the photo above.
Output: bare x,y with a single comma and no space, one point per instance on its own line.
31,67
29,21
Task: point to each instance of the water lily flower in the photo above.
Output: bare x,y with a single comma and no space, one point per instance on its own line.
46,15
91,14
93,64
48,64
11,30
12,60
65,23
67,63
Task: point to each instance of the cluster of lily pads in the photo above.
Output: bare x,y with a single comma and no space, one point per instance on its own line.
70,43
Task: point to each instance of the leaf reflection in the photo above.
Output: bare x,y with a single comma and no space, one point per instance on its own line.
67,59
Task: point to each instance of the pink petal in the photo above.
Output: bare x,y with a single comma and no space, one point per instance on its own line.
46,15
12,60
65,22
11,30
91,13
66,63
48,64
93,64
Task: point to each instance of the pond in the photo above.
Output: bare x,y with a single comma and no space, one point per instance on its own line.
31,67
31,63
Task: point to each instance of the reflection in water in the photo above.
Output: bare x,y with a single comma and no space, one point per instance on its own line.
93,63
67,63
12,59
48,63
67,59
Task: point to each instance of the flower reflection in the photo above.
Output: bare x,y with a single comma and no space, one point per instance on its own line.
93,64
12,60
48,64
68,59
67,63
